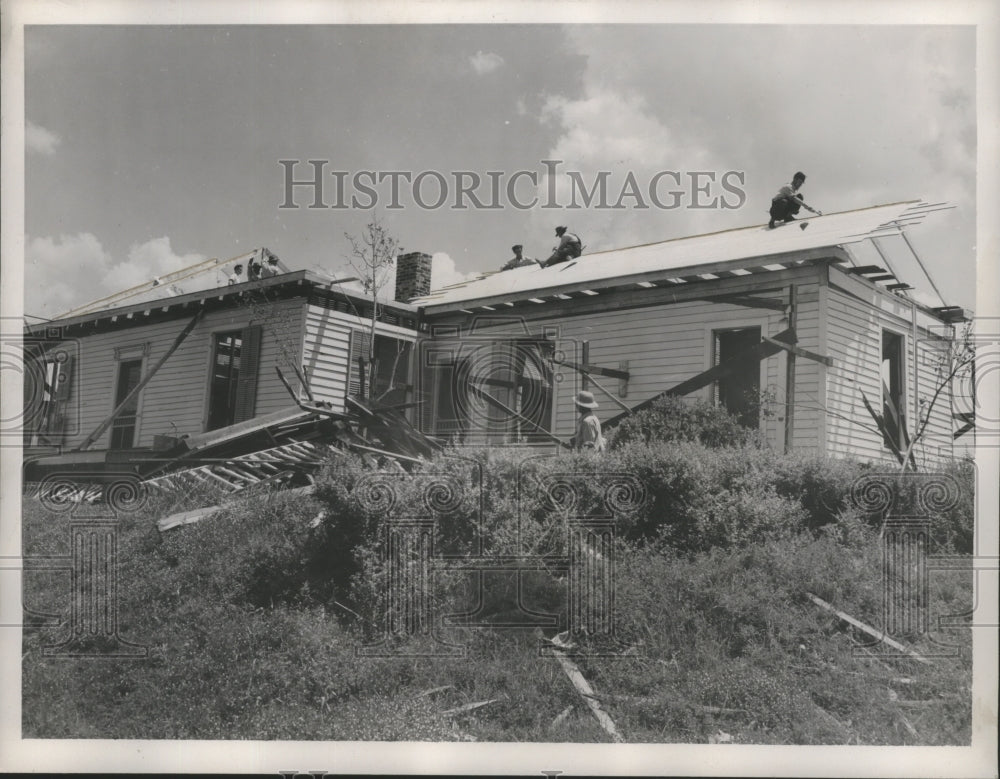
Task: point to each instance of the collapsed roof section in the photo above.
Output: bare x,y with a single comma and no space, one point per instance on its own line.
740,251
203,275
294,283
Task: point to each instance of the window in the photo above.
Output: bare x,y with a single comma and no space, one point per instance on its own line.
515,373
738,391
893,393
123,427
48,375
233,391
392,367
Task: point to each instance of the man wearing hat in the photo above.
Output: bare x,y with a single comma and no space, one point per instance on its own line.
588,426
518,259
270,268
570,247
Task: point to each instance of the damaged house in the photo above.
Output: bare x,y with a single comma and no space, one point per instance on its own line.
133,375
808,335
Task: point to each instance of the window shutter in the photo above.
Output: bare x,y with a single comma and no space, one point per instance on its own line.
246,387
63,378
360,347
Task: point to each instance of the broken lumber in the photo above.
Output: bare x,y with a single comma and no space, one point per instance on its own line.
587,693
588,370
561,717
506,409
880,636
468,707
761,351
189,517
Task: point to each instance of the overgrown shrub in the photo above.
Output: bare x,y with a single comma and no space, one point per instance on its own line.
673,418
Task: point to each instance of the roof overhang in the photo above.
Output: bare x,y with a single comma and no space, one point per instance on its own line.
295,283
760,266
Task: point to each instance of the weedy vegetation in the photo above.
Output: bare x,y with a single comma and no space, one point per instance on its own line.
255,618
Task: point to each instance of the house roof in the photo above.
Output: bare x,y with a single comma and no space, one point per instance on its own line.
138,308
698,257
202,275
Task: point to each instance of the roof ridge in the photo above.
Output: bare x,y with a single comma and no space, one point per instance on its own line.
737,229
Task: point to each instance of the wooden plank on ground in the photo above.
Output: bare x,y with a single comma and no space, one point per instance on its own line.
468,707
868,629
195,515
587,693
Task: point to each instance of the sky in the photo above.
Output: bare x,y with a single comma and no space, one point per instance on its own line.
151,148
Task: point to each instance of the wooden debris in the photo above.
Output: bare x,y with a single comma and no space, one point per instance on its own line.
468,707
587,693
907,724
189,517
513,414
186,517
721,738
868,629
561,717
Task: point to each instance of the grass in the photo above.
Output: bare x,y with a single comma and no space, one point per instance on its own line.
254,629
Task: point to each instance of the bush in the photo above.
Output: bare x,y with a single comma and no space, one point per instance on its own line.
673,418
699,498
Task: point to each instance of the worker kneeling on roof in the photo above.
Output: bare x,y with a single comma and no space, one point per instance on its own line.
569,248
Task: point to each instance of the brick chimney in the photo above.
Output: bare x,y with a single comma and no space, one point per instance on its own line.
413,276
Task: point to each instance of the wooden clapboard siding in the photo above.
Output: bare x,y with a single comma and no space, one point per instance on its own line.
326,349
174,401
938,441
854,336
856,316
670,342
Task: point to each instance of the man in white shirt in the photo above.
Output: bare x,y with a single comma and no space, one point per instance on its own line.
786,204
518,260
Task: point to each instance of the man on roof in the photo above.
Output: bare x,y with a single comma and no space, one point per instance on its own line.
569,248
236,277
518,260
786,204
270,267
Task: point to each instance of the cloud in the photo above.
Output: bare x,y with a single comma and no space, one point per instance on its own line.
66,272
63,272
39,140
611,132
155,257
444,272
485,62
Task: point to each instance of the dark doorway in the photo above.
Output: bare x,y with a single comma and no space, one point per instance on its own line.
739,391
123,428
893,396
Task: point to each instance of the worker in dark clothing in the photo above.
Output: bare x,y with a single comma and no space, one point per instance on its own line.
569,248
786,204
